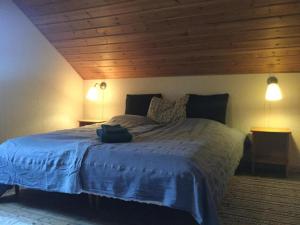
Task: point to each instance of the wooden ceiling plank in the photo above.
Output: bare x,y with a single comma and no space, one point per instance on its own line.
198,50
100,11
35,2
84,5
210,46
263,33
150,7
260,24
268,53
288,51
94,22
206,32
58,7
187,70
259,3
182,22
255,61
174,13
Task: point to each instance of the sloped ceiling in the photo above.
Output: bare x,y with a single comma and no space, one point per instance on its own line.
144,38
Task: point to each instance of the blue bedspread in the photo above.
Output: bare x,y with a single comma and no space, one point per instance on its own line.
49,162
185,165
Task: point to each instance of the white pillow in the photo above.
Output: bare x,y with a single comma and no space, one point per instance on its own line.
164,111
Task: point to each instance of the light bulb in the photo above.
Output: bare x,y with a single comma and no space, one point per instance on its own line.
273,92
93,94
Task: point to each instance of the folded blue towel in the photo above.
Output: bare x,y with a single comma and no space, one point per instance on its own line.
113,129
114,134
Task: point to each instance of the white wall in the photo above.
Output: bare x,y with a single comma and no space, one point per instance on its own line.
39,90
247,107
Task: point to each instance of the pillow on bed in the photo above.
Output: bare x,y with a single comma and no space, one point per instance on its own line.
164,111
207,106
139,104
129,121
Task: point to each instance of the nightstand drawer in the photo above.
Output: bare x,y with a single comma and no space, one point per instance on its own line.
271,146
276,160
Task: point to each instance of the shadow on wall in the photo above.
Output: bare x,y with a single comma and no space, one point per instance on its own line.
229,112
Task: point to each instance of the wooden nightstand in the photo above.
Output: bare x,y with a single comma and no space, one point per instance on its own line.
271,147
89,122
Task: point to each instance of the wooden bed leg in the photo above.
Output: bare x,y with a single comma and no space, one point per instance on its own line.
17,190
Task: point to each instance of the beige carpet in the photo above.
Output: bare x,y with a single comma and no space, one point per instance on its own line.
249,201
261,201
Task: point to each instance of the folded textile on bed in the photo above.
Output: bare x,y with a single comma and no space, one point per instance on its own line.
114,134
114,129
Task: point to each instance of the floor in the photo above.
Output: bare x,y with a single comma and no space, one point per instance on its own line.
249,201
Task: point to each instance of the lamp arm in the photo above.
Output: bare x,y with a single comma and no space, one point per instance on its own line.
102,85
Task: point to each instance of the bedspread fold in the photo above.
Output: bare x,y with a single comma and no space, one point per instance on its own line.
49,162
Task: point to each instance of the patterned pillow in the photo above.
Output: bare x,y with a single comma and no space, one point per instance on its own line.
164,111
139,104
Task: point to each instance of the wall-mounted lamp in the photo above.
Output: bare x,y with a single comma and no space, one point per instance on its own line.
273,92
94,92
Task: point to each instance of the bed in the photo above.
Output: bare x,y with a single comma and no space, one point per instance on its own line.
184,165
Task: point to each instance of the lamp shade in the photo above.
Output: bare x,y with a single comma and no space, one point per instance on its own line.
273,92
93,94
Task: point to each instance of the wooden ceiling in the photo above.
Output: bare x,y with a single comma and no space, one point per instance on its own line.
146,38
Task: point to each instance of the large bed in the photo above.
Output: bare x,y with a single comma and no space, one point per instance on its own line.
183,165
